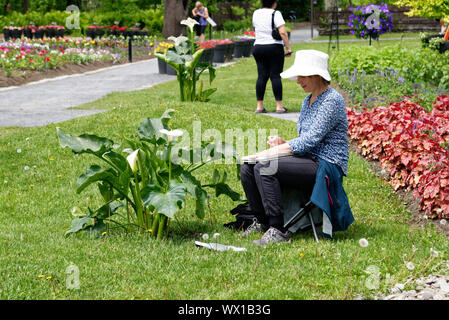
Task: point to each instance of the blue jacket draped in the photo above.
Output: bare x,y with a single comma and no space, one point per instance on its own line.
328,194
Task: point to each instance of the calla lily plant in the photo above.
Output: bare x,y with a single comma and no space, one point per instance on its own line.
185,59
146,188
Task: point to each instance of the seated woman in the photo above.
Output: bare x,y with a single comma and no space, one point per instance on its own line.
322,136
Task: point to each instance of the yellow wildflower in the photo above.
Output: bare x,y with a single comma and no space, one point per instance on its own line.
51,159
301,254
150,230
49,278
104,233
41,276
31,185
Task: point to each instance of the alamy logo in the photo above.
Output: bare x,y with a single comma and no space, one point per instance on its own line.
373,21
73,21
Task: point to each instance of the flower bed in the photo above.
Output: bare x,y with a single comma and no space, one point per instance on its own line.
412,147
44,54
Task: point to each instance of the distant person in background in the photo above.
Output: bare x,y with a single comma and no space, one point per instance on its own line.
200,14
7,8
269,53
443,26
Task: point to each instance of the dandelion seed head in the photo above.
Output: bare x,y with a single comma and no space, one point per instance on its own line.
19,150
433,253
363,243
443,222
26,168
216,235
205,236
410,265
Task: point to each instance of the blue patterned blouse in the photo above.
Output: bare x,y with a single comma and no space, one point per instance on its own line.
323,129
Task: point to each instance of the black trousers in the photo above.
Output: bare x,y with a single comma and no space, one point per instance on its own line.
270,64
263,183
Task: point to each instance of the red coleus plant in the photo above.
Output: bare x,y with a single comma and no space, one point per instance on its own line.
410,145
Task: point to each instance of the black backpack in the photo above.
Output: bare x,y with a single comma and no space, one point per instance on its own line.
243,217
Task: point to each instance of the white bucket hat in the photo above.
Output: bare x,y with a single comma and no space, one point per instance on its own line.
308,63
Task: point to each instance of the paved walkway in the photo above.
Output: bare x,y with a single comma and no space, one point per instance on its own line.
49,101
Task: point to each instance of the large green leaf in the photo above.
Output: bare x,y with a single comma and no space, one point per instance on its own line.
193,187
223,188
166,203
94,173
107,210
85,143
79,224
117,159
149,129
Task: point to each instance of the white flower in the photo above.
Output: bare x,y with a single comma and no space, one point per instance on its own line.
205,236
433,253
425,216
132,160
171,134
19,150
363,243
5,181
216,235
190,23
178,40
443,222
410,265
26,168
27,139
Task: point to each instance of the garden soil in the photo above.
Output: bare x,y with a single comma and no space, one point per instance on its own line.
69,69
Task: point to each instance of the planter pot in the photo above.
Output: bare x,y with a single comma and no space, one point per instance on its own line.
249,48
229,51
219,53
239,48
99,33
17,34
28,33
207,56
91,33
444,47
434,36
39,34
162,66
171,71
7,34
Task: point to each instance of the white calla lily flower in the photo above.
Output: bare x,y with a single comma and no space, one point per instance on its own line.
172,133
178,40
190,23
132,160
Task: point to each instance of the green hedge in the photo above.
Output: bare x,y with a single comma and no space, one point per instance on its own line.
152,19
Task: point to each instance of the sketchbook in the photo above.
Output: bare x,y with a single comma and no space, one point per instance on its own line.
246,159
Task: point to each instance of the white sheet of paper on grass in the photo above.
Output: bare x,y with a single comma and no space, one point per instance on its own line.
218,246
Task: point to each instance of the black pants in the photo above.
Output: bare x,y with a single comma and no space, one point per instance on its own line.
270,64
263,183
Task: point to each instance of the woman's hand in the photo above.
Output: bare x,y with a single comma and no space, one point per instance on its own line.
274,141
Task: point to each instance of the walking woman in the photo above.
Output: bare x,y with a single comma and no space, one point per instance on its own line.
269,53
200,13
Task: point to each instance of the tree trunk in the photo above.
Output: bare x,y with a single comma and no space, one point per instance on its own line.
174,12
25,5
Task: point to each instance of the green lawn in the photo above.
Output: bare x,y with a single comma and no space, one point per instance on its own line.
35,208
